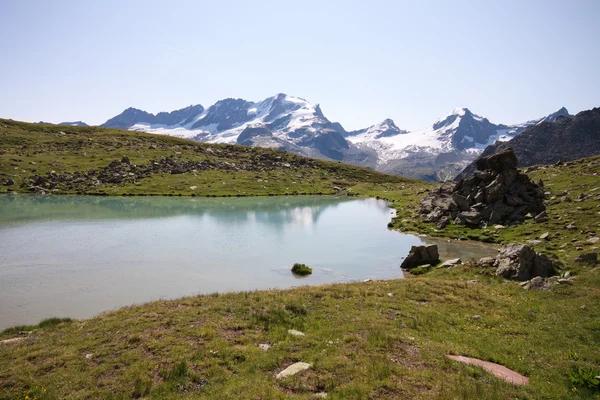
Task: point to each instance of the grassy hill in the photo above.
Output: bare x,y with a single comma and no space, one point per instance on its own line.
382,339
92,160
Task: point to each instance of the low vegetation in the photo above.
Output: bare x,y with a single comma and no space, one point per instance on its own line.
301,269
382,339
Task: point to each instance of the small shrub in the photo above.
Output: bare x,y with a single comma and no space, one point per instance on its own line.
301,269
584,377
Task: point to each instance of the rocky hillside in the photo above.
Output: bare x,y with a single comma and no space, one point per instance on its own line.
90,160
549,142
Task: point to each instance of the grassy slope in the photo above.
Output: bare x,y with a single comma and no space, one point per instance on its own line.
362,342
33,149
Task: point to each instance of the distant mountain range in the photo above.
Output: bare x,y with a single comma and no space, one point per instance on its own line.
548,142
290,123
74,123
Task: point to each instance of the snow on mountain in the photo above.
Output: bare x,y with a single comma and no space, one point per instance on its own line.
74,123
291,123
455,139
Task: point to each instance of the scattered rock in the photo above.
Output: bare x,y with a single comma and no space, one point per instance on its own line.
420,255
321,395
486,262
89,356
193,187
539,283
9,182
583,307
264,346
294,332
587,258
544,236
13,340
534,242
497,193
519,262
293,370
476,317
541,217
450,263
570,227
593,240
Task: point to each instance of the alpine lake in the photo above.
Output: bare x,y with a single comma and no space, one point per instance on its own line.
77,256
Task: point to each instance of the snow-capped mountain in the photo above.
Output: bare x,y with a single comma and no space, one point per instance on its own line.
74,123
291,123
282,121
441,150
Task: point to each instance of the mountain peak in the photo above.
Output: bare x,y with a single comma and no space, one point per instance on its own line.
460,111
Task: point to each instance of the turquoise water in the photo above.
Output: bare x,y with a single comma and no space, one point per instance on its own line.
71,256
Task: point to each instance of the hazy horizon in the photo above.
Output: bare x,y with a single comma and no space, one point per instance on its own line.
363,63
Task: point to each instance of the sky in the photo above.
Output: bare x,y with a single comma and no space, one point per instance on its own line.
362,61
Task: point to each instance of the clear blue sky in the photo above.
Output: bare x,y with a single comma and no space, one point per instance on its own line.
363,61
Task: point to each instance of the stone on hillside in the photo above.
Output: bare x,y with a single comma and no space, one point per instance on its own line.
544,236
497,193
421,255
519,262
294,332
486,262
443,222
593,240
587,257
9,182
293,370
450,263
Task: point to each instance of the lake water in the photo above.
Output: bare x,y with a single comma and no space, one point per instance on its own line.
76,256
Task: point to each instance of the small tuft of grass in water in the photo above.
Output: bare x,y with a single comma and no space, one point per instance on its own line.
301,269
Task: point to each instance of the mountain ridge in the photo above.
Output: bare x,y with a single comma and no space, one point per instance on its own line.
290,123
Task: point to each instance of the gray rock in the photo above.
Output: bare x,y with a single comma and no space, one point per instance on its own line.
544,236
443,222
593,240
450,263
9,182
293,370
294,332
486,262
570,227
420,255
587,257
521,262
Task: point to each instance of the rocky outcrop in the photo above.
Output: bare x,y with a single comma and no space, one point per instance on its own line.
519,262
126,172
497,193
568,138
421,255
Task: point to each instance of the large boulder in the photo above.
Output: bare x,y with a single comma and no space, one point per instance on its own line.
520,262
421,255
497,193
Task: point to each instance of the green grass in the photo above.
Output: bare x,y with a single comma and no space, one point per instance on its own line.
362,343
375,340
28,150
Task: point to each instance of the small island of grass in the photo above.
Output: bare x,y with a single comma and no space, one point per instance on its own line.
301,269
